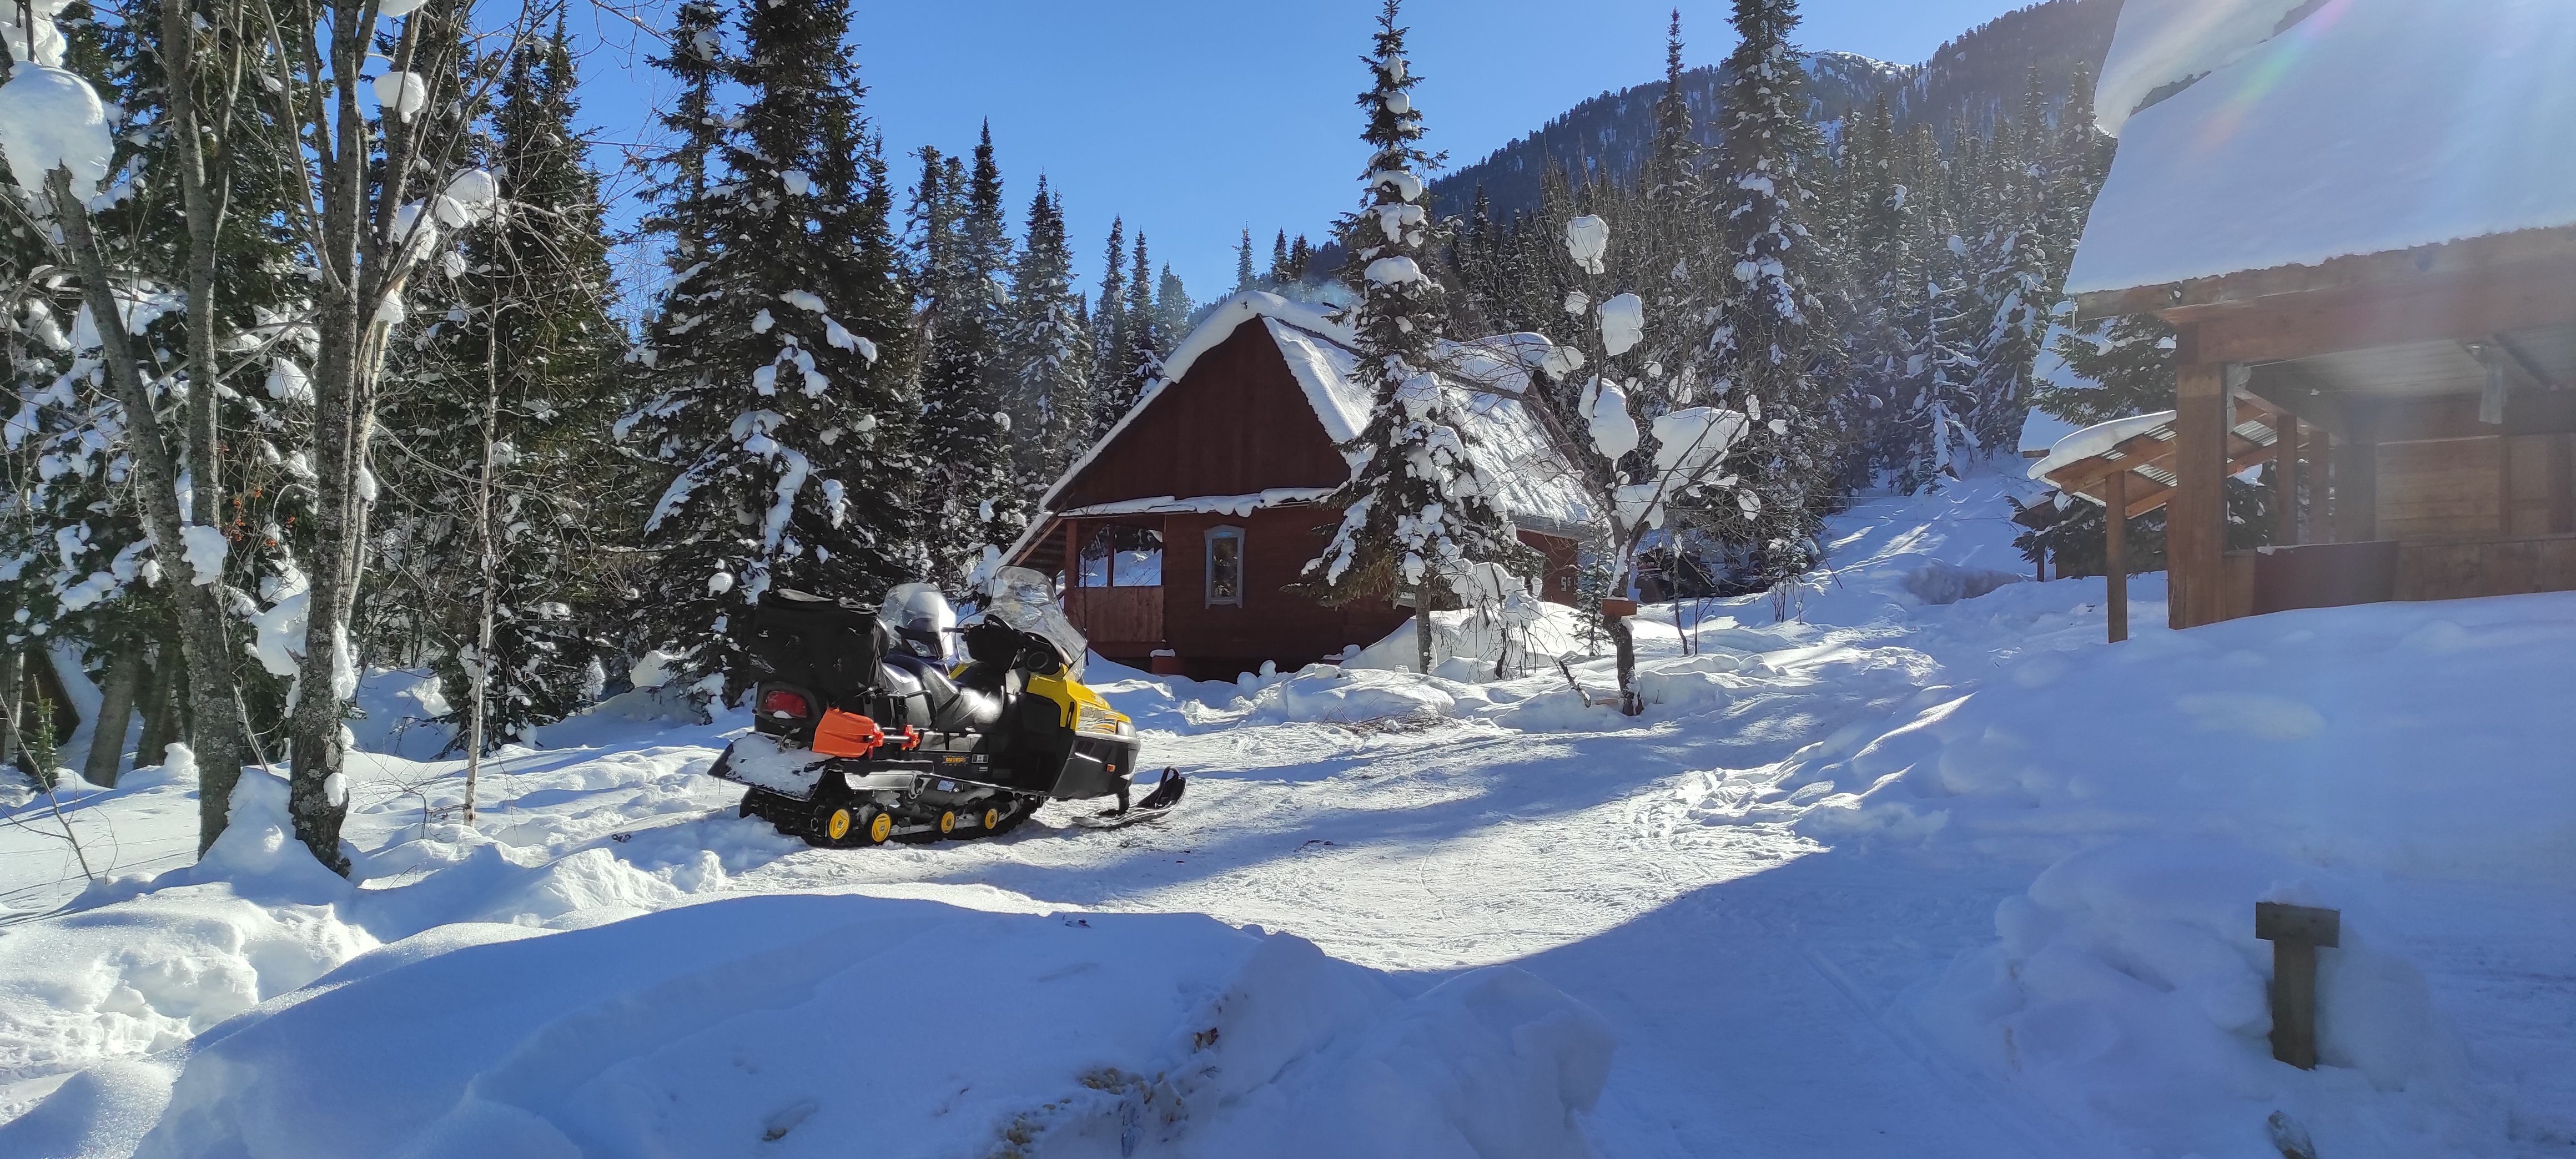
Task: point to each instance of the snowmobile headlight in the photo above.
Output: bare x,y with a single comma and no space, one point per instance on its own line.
1098,721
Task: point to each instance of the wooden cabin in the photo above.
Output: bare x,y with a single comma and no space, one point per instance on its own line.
2363,231
1227,463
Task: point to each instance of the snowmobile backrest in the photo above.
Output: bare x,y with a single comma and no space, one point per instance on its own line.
831,647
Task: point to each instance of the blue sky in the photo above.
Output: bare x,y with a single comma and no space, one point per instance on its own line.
1197,119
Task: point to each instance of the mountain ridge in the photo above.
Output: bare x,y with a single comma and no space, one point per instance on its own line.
1974,77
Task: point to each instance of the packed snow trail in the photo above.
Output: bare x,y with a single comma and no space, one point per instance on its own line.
1781,889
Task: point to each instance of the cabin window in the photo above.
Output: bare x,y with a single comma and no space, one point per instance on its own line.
1225,567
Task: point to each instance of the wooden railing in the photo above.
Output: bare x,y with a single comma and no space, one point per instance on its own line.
1117,619
2331,575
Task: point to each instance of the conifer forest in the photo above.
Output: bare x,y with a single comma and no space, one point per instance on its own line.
1043,580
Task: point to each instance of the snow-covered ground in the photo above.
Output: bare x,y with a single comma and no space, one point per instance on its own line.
1922,868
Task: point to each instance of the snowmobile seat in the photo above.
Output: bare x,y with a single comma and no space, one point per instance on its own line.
952,709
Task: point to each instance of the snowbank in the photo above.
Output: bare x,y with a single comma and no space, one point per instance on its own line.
257,917
795,1025
399,711
2399,737
2128,989
1465,645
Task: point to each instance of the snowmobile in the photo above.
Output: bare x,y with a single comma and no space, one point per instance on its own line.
864,733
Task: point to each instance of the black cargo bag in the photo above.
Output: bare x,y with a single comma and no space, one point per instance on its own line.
829,647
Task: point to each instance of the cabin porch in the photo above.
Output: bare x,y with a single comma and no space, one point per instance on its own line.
2431,469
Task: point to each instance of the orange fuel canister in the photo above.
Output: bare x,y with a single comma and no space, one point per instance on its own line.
847,734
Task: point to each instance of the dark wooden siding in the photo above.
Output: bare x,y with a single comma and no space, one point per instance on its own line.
1560,570
1236,424
1274,623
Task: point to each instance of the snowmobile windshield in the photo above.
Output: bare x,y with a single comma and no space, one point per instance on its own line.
920,614
1025,600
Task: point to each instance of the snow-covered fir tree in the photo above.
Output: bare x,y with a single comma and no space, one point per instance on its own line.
782,428
971,498
1770,340
1141,364
501,429
1671,235
1419,515
1243,275
1047,347
1172,310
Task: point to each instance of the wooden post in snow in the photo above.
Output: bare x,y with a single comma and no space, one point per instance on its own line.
2296,932
2115,552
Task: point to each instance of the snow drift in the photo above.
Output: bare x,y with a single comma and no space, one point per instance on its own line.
2398,737
798,1024
2128,987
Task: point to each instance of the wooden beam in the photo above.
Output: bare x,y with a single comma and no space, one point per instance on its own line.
1072,557
2196,517
2445,260
2154,495
2115,555
2296,389
2132,453
2530,367
2471,305
2493,350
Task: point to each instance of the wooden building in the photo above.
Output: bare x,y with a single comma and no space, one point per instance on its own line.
1228,462
2363,232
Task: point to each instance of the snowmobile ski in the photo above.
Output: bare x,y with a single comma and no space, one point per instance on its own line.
1156,805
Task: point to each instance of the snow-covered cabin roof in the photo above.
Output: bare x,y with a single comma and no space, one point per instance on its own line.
1486,376
2327,130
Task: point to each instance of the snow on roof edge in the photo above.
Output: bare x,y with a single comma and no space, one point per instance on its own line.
2095,439
2368,127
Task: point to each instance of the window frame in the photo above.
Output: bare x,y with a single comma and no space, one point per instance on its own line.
1226,531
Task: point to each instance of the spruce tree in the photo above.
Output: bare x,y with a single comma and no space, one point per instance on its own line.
2018,278
971,499
1172,310
1109,333
1278,276
1143,364
1419,515
505,446
775,421
1048,347
1243,276
1769,348
1671,232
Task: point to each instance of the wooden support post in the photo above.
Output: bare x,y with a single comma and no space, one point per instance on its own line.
2357,481
1072,557
2296,932
2322,485
2115,553
2196,519
2286,480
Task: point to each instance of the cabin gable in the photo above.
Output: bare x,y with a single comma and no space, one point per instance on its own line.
1236,423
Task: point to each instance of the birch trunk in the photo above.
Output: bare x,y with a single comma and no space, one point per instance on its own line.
203,637
489,555
115,711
